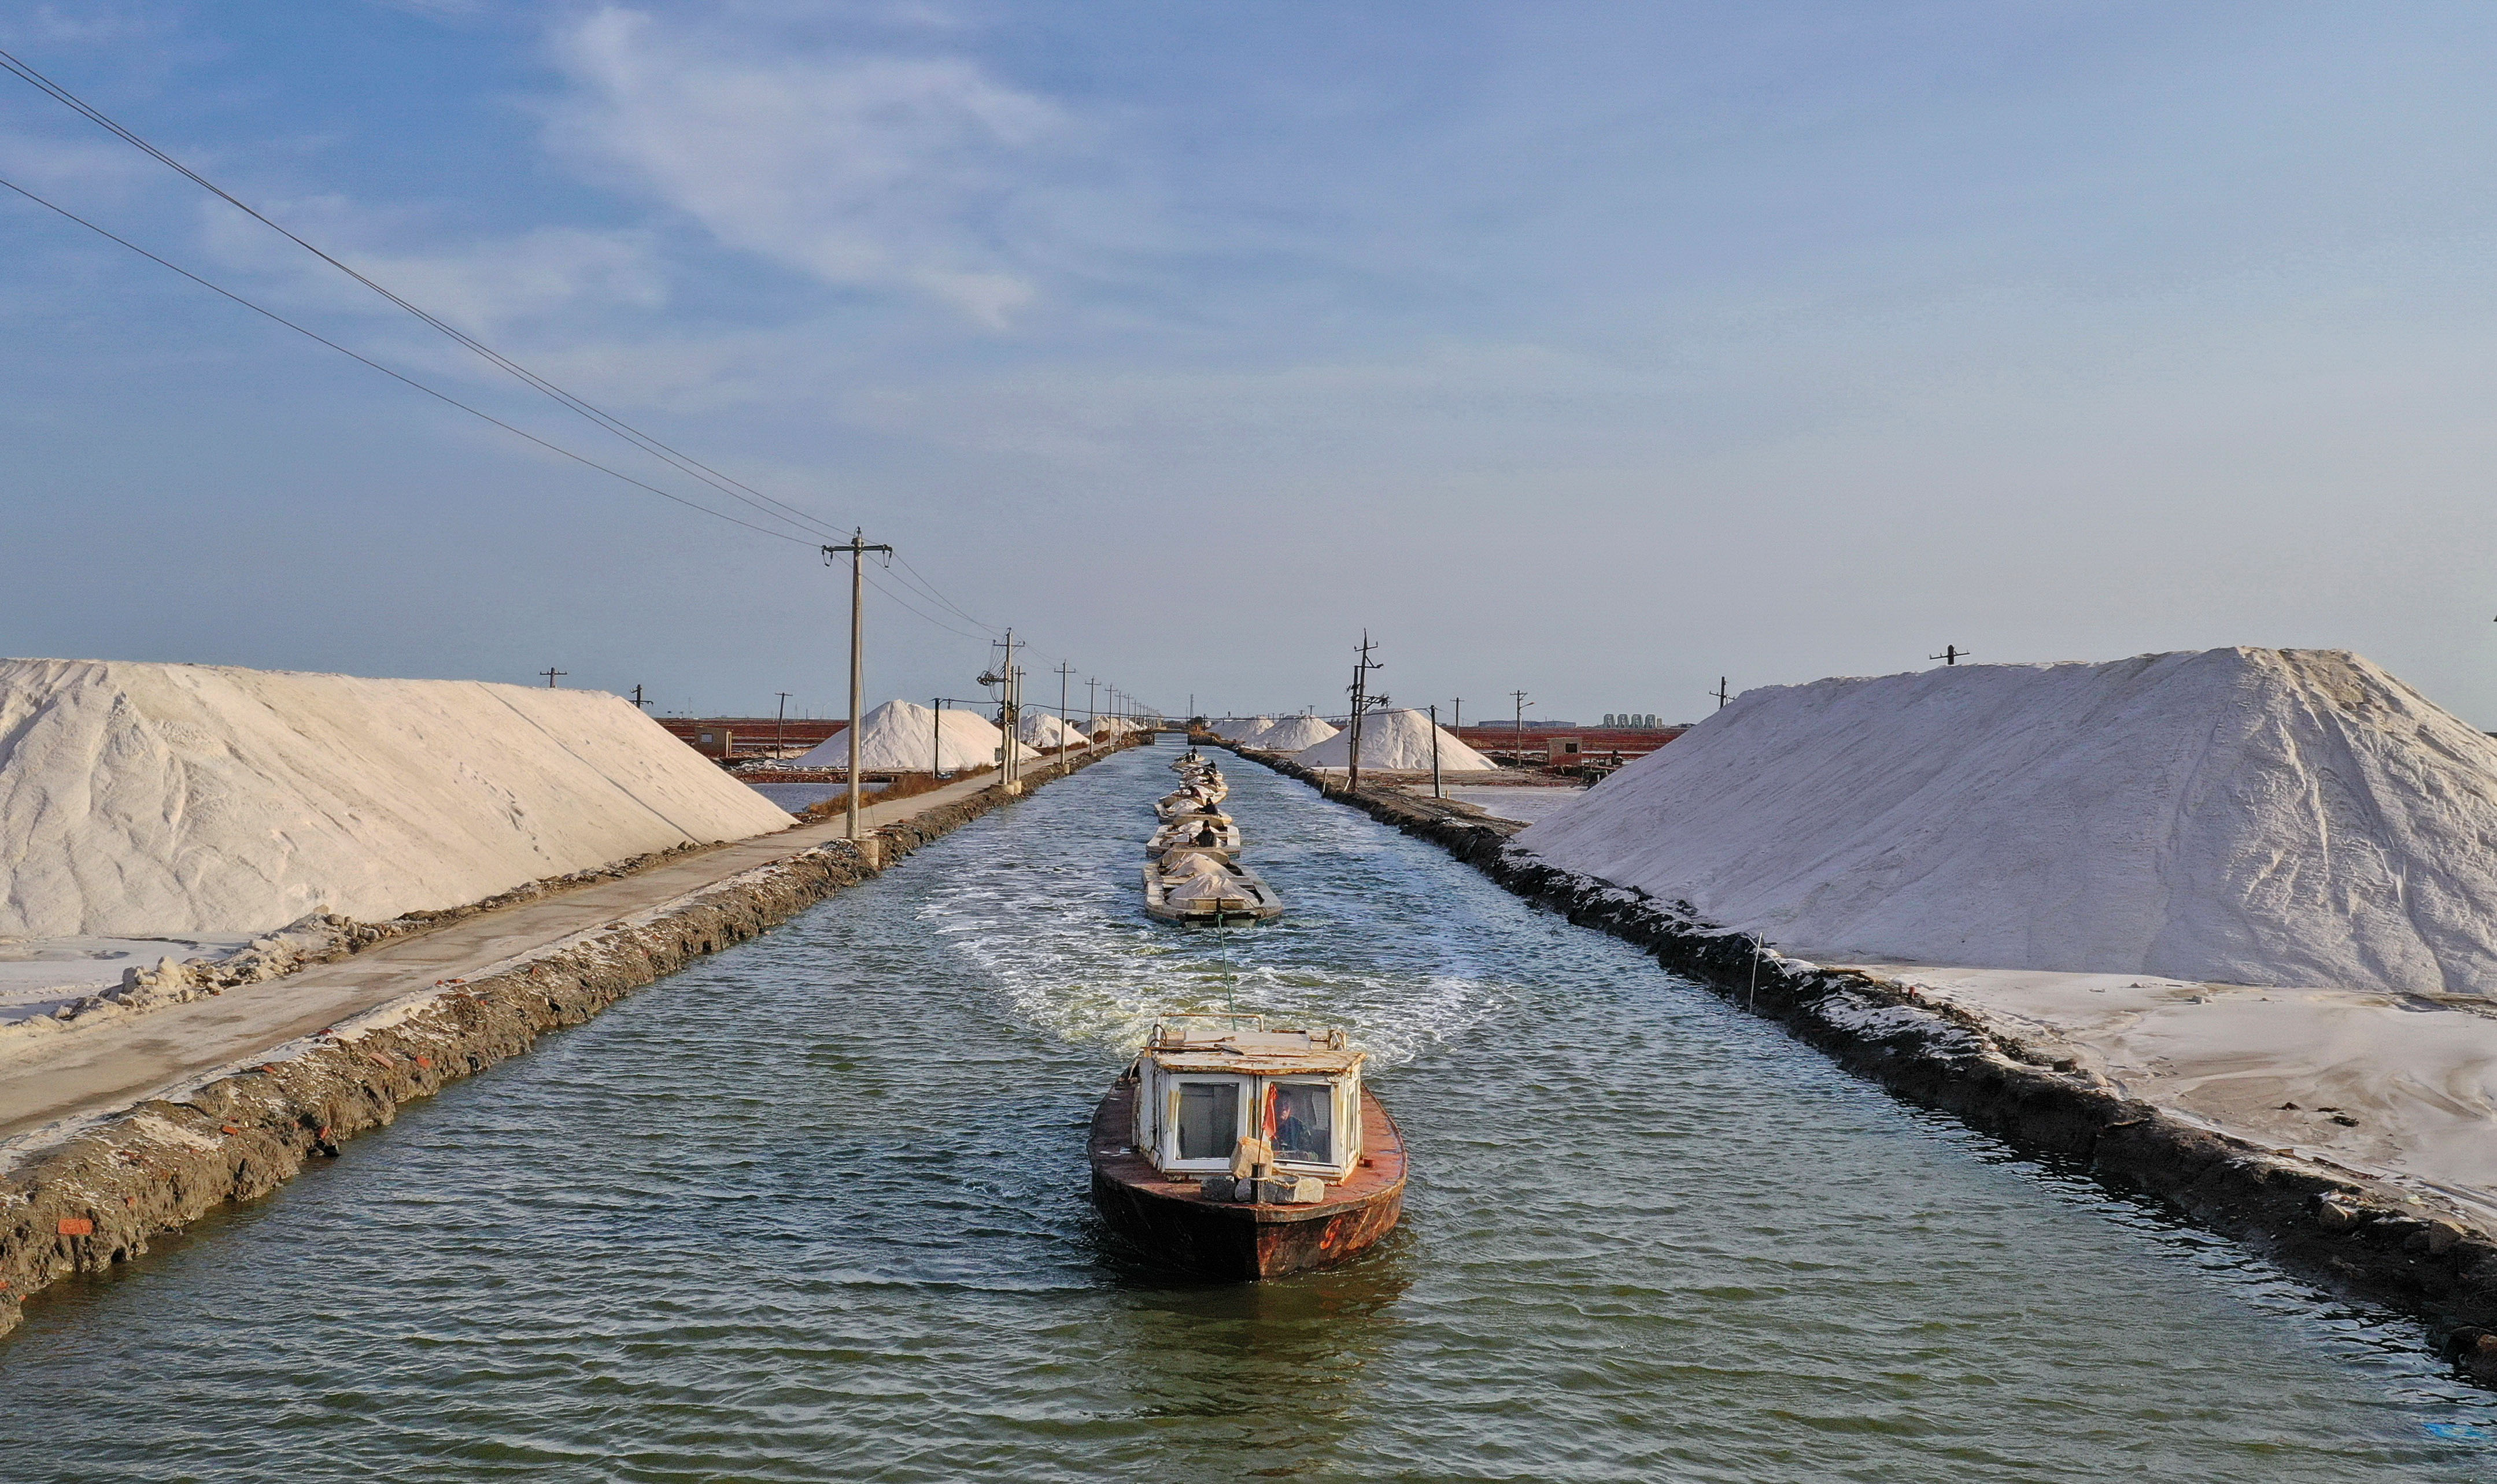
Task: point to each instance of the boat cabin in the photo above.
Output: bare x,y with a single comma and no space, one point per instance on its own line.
1204,1083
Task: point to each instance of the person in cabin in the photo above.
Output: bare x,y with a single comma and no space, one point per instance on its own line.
1302,1122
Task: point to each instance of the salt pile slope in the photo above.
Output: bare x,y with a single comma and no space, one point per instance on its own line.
1048,733
146,799
904,737
1397,741
2279,817
1291,735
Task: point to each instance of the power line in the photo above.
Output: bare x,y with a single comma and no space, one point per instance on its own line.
441,397
768,505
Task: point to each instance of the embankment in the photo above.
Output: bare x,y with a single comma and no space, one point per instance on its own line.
2355,1235
99,1195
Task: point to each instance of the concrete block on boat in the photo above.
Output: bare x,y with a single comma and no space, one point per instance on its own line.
1291,1190
1222,1187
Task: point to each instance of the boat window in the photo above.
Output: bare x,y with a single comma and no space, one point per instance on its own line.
1305,1121
1209,1119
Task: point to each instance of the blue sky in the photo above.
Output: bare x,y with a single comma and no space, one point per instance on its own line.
1599,350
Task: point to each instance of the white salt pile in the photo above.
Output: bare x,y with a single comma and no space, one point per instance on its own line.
1048,733
1242,731
904,737
2272,817
1291,735
152,800
1398,742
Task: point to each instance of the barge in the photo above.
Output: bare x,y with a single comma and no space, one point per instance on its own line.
1206,887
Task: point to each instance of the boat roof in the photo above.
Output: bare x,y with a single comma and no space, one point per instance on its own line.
1204,1044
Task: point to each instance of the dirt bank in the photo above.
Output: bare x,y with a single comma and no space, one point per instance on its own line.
99,1194
2362,1237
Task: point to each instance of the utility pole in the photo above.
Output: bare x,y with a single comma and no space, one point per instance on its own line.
1458,724
937,757
1951,654
1720,693
1065,676
856,551
637,702
1437,792
1361,668
1091,706
781,724
1008,677
1519,697
552,673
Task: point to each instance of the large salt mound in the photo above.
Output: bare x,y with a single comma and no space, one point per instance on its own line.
1291,735
145,799
1398,742
2278,817
1048,733
903,737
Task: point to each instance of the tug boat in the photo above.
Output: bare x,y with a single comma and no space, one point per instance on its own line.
1203,887
1196,832
1238,1153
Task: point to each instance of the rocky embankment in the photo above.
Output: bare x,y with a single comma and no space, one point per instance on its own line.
96,1197
2355,1235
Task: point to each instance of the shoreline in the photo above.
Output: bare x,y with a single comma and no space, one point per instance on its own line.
2363,1237
95,1195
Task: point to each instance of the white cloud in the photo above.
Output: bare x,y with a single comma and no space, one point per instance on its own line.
482,286
864,170
47,164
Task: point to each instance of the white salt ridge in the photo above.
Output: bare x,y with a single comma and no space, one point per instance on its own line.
2271,817
1113,726
905,736
1292,734
1395,742
1046,732
157,800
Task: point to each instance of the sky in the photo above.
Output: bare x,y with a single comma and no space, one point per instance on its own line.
1594,350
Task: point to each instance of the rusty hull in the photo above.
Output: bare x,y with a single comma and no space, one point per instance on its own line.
1170,1223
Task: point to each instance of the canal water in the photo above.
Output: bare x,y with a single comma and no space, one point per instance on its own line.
814,1210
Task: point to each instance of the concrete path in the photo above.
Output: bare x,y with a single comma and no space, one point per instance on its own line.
83,1073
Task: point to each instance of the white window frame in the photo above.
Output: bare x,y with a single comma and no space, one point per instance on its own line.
1336,1135
1166,1120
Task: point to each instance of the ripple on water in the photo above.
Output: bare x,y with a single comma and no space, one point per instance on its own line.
813,1209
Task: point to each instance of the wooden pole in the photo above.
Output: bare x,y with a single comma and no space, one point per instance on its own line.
1437,792
856,551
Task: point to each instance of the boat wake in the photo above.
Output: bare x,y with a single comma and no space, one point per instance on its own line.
1052,924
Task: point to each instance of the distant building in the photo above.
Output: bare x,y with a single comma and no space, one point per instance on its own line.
748,735
1565,744
1630,719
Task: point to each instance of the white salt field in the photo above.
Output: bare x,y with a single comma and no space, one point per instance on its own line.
798,798
41,975
1521,803
143,800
